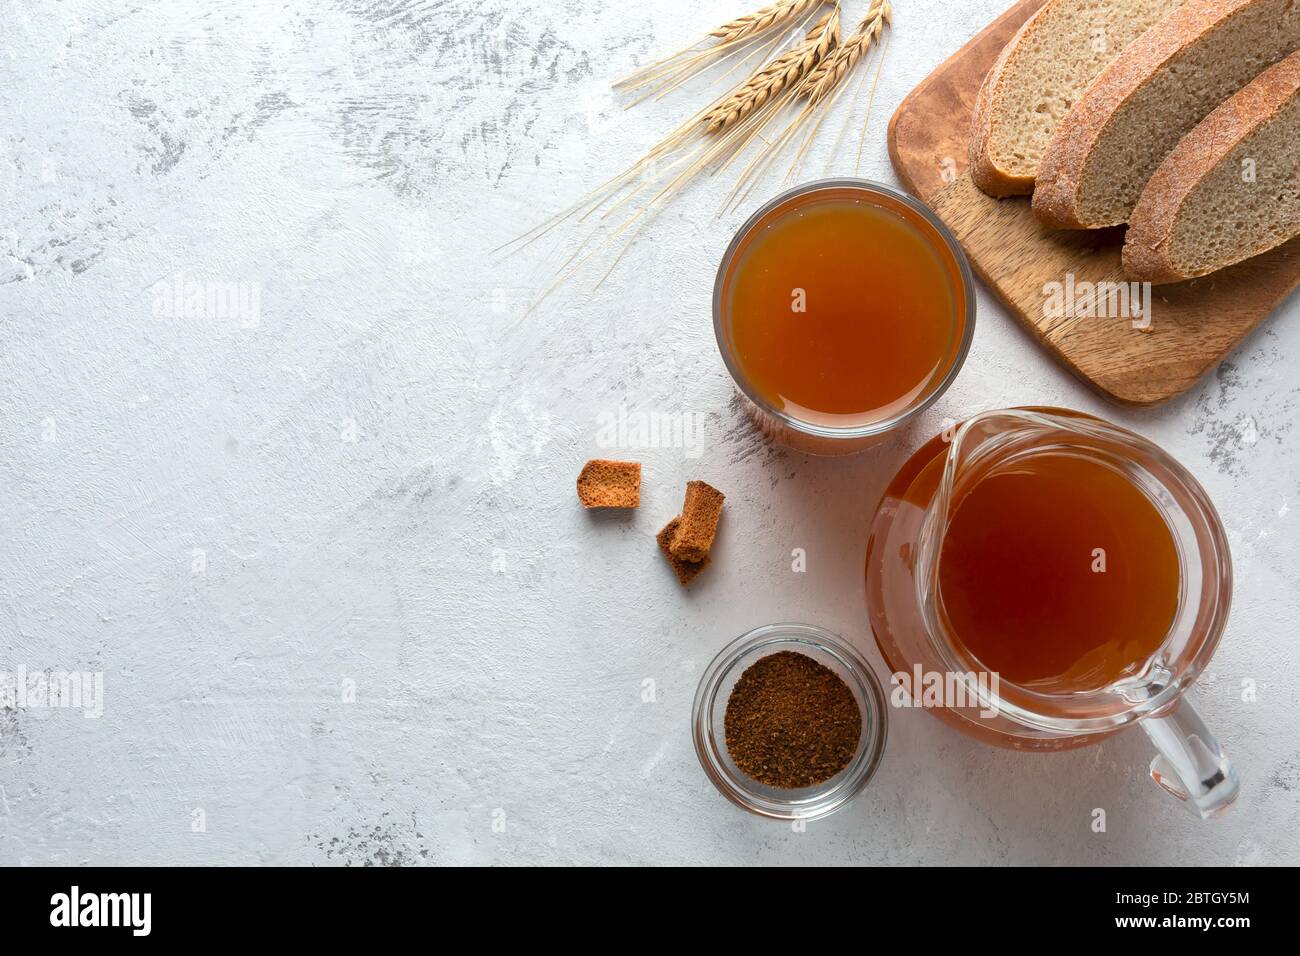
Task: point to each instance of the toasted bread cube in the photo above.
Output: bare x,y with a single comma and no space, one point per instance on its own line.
699,522
686,571
610,484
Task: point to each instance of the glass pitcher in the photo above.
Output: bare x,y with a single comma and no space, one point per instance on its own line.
916,636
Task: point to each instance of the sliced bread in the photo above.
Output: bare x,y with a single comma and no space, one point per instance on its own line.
1040,75
1152,95
1230,190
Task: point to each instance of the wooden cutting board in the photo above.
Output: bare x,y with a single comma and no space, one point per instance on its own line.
1193,325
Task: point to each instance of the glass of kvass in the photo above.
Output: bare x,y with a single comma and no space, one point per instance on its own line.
843,309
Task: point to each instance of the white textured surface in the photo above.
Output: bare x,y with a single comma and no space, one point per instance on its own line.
357,160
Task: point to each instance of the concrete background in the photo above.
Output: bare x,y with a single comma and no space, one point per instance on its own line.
326,550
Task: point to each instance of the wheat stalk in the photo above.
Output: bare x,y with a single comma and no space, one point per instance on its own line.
819,88
763,90
736,34
871,98
735,120
723,42
830,71
812,71
822,91
783,73
730,125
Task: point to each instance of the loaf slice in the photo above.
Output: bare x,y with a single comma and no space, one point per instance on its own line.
1152,95
1040,75
1230,190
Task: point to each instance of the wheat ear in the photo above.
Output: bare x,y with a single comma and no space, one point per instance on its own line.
771,86
760,21
783,73
830,71
820,87
726,116
739,32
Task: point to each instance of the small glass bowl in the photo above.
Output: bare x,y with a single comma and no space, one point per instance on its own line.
709,712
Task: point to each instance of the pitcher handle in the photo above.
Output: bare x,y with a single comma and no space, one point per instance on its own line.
1190,763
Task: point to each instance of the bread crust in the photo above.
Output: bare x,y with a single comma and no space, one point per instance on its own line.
1056,194
985,173
1148,245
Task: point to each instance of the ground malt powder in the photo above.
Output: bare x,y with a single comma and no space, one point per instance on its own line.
791,722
